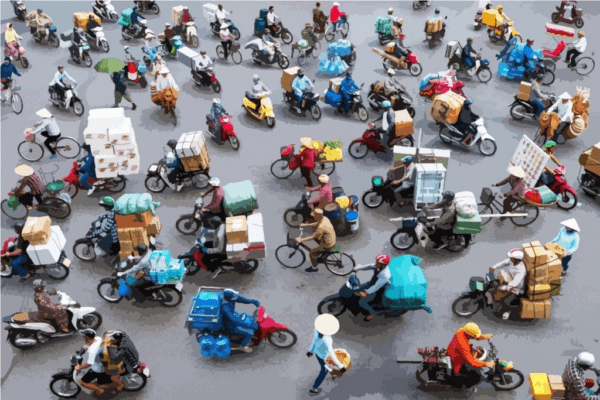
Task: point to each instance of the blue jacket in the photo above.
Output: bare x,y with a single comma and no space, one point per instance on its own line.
348,86
8,70
89,165
117,78
299,84
176,162
232,315
217,110
134,17
467,51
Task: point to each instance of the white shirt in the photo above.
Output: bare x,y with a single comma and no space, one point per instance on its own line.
164,82
271,17
221,15
580,45
92,353
58,77
517,274
564,110
204,61
49,125
409,174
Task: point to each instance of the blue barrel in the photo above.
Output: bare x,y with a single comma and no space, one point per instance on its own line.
333,212
352,219
354,203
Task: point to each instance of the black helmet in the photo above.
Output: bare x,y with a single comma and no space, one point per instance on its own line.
469,40
300,73
39,10
18,227
59,67
88,333
116,335
437,10
214,222
448,195
141,249
172,144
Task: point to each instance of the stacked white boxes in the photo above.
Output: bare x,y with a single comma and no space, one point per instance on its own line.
112,141
255,248
192,152
49,252
209,11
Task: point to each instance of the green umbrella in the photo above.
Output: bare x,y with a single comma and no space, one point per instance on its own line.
109,65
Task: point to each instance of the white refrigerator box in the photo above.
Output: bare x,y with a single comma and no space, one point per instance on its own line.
122,134
429,183
48,253
101,148
105,118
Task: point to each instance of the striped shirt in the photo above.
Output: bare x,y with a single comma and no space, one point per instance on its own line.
573,380
110,226
34,183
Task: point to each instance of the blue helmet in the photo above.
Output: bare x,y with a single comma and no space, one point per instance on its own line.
407,159
468,102
230,294
386,104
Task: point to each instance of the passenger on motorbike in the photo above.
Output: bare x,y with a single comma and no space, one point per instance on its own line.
216,204
48,311
58,85
387,119
574,379
547,176
235,322
325,195
300,84
390,86
444,223
108,228
564,108
221,15
91,25
175,165
404,186
269,43
257,88
467,58
97,372
88,169
121,348
140,271
537,96
465,125
517,188
465,366
510,292
31,180
324,235
22,259
372,292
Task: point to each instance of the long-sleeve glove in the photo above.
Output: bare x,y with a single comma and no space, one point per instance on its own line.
256,303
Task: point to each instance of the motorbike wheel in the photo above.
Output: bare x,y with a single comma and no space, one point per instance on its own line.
445,135
155,184
195,41
108,292
78,107
283,61
579,23
383,40
155,9
362,112
531,211
566,200
358,150
170,297
134,382
64,387
466,306
411,111
216,86
56,207
17,339
57,271
286,37
386,64
518,112
293,219
458,243
280,169
72,190
236,33
416,69
315,112
84,250
371,199
555,17
484,75
335,307
416,5
406,141
125,37
290,257
235,143
116,185
24,62
191,267
143,82
484,209
340,264
92,320
105,46
55,41
283,339
246,267
487,147
509,380
20,213
548,78
301,59
271,122
200,180
402,240
326,168
187,225
148,62
492,36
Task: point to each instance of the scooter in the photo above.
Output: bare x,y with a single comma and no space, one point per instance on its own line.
520,109
16,52
434,37
436,369
483,72
188,224
66,383
86,248
381,192
129,32
58,270
51,39
135,70
19,9
477,24
309,103
262,57
450,134
411,62
262,112
356,107
100,41
195,260
566,195
418,4
113,185
24,332
576,14
223,131
215,28
371,141
207,79
279,31
107,13
147,6
188,33
157,179
82,54
496,34
420,229
589,183
400,99
299,214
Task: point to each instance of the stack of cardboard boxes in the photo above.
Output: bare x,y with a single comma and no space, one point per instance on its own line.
245,237
135,229
288,77
546,387
543,280
524,91
433,25
112,142
590,159
192,152
446,107
404,123
46,242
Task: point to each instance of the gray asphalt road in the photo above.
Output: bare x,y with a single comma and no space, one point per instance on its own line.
291,296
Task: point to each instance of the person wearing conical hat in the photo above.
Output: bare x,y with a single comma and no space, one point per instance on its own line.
465,366
36,187
325,194
568,238
49,129
564,108
578,48
518,186
326,325
308,155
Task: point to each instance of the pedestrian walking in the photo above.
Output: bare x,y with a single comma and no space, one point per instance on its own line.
121,91
326,325
568,238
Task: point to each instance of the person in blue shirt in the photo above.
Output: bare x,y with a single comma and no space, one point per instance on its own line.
88,170
7,70
299,85
388,119
135,22
177,167
568,238
236,323
326,325
347,87
466,55
216,111
373,290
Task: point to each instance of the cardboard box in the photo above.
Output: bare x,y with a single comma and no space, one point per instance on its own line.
555,286
134,220
433,25
593,165
446,107
101,119
190,144
534,253
524,91
583,157
557,387
288,77
595,151
191,164
539,292
123,255
101,148
556,249
106,161
334,84
538,275
37,230
123,234
139,236
236,251
154,226
122,133
404,123
49,252
540,386
535,309
554,271
236,229
256,233
126,246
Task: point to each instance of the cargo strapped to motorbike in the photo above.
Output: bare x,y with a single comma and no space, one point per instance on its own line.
408,285
81,19
125,19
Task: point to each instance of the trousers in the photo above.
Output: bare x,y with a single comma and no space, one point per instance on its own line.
364,303
322,373
83,179
49,140
539,107
18,265
572,56
507,203
565,262
226,46
316,252
306,173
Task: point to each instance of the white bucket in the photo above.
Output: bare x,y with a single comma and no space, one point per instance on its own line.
352,219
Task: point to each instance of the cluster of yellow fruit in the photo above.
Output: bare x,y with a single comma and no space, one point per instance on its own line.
332,154
318,146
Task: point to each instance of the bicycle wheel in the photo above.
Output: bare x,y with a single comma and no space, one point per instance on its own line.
345,28
68,147
531,211
30,151
339,263
56,207
584,66
550,65
280,169
484,209
20,213
329,35
290,257
220,52
236,56
324,168
301,59
16,103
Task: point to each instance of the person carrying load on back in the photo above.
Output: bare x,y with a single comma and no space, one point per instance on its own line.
514,289
465,366
300,84
121,348
445,222
319,18
518,186
325,195
233,320
324,235
374,289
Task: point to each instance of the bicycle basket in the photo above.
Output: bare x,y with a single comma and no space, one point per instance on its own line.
476,283
55,186
287,152
409,223
486,196
30,137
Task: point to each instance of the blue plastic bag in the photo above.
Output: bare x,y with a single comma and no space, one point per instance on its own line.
222,347
408,285
208,344
124,289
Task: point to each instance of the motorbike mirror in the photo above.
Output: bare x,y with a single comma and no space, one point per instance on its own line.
446,17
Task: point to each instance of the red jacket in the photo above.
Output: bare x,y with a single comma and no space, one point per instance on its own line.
335,14
186,18
307,158
460,351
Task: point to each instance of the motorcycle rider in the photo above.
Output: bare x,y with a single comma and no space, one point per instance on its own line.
372,291
186,17
48,311
140,271
324,236
235,322
465,366
347,87
390,86
175,165
227,38
269,43
169,33
573,377
58,85
387,119
325,195
405,185
221,14
76,42
257,88
203,63
511,292
88,170
96,372
536,97
436,15
216,204
468,59
91,25
21,258
577,49
319,18
212,244
36,188
216,111
100,5
335,16
547,176
10,35
444,223
108,228
6,72
518,186
465,125
271,18
564,108
135,21
300,84
42,22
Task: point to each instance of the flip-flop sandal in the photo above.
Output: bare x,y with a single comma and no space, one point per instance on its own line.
24,279
368,320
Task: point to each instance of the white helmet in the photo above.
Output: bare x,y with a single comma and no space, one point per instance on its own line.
391,71
585,359
216,101
167,24
125,48
214,181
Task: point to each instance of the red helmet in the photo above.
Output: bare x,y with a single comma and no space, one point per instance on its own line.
383,259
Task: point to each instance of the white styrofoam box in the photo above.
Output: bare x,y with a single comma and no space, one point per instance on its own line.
122,134
209,8
95,135
185,55
48,253
192,145
210,17
256,231
101,148
106,172
126,160
131,167
400,152
105,118
106,160
126,149
236,250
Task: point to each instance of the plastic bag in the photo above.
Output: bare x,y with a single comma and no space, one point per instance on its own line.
207,345
124,289
222,347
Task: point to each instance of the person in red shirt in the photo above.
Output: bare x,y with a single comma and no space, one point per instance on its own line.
325,195
186,16
216,203
464,364
334,16
308,156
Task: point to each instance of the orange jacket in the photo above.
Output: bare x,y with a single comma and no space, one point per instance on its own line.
460,351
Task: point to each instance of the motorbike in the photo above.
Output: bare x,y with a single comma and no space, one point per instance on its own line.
434,37
113,185
496,34
576,15
107,13
157,179
19,9
207,79
381,192
262,57
188,33
589,183
188,224
82,54
450,134
299,214
262,112
86,248
60,101
24,331
147,6
400,99
195,260
16,52
51,39
223,131
215,28
420,229
356,107
100,41
566,195
436,369
279,31
371,141
411,63
66,383
418,4
129,32
484,74
135,70
309,103
519,109
57,270
477,24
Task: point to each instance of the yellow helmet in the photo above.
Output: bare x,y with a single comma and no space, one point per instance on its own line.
499,8
471,329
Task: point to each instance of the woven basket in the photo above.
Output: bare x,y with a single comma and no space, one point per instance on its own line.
343,356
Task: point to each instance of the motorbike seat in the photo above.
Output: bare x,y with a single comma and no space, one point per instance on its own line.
23,317
251,96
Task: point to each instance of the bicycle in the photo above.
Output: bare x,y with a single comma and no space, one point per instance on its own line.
489,203
32,151
15,98
234,52
343,28
281,168
337,262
